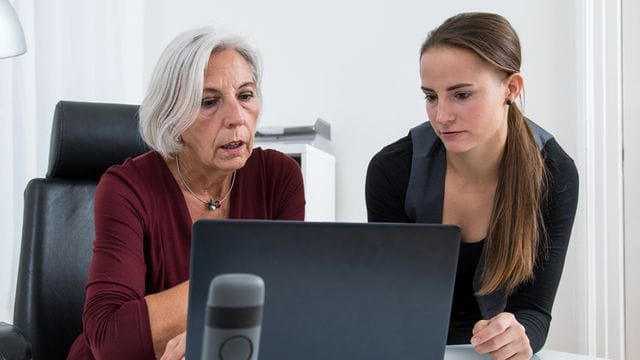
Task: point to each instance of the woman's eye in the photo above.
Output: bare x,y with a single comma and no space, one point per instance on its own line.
430,98
209,102
245,96
462,95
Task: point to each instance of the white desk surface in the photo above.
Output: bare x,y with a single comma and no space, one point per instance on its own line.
466,352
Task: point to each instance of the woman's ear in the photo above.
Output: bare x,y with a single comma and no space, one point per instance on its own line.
514,84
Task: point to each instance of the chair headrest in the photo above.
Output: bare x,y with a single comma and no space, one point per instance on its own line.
87,138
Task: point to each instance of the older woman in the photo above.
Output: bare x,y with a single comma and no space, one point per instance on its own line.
199,117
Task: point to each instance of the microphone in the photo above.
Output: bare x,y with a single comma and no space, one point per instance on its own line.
233,317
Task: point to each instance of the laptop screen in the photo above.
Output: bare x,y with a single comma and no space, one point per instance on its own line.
333,290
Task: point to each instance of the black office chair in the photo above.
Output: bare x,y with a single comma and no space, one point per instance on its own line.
58,232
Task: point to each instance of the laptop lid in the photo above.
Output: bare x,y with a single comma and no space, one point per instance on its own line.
333,290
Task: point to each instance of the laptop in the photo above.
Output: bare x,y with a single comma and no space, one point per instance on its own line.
333,290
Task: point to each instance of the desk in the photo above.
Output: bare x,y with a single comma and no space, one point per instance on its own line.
466,352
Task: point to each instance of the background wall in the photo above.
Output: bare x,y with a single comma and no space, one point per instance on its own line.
631,109
352,63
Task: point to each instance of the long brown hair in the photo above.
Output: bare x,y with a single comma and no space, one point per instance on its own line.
515,226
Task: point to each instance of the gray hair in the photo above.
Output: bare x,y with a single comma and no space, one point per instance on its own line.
174,96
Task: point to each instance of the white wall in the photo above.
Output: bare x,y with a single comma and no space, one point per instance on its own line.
631,114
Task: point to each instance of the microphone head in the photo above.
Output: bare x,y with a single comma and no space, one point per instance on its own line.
233,317
236,290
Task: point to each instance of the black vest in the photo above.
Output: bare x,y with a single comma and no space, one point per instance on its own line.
425,195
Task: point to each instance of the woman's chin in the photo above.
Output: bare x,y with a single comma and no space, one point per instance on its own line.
457,148
232,164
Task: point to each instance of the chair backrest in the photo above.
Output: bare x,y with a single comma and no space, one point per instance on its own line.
58,227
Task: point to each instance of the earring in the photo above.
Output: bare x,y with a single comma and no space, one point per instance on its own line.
508,102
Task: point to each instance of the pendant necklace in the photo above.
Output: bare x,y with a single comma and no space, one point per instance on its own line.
211,204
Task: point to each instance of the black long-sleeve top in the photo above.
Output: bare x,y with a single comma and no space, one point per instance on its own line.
388,180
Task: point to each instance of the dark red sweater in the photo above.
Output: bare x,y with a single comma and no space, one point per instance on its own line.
142,245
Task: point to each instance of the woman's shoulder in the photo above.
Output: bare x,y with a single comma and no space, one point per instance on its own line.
144,163
561,169
556,159
138,172
420,141
554,153
270,159
397,153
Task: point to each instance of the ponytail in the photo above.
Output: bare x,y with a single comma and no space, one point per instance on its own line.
516,220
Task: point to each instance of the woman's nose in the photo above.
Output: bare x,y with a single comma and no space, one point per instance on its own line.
233,113
442,113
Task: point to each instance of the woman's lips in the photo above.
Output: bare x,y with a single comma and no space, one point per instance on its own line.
450,135
233,147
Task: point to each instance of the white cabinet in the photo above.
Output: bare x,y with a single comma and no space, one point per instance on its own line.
319,173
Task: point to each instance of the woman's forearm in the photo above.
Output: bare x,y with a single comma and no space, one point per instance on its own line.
167,315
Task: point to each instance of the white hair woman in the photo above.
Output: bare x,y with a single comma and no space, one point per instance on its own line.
199,118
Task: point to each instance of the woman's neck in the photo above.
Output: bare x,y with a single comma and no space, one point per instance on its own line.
212,184
479,165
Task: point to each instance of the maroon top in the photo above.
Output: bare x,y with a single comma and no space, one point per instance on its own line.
143,242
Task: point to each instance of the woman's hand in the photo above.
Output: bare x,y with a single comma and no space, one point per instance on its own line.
503,337
176,348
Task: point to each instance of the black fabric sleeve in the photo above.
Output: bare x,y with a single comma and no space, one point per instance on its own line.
387,181
532,302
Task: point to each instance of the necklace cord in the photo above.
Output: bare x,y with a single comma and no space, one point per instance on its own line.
211,204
